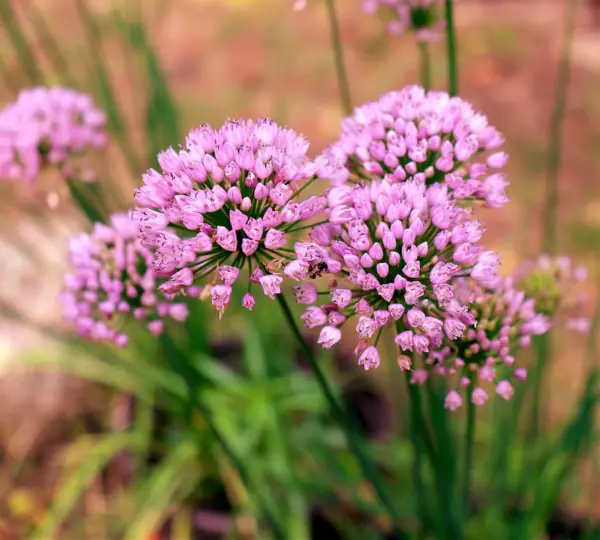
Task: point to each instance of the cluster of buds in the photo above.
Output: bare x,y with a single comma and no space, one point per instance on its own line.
47,126
506,319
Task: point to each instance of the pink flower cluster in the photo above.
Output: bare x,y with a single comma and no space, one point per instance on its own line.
506,320
400,246
112,275
228,200
397,245
424,17
441,139
47,126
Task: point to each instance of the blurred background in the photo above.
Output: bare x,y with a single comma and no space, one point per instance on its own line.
160,68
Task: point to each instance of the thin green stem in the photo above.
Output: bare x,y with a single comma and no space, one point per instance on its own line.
338,54
444,467
292,230
451,46
543,351
418,450
468,448
345,422
556,127
424,441
425,64
305,186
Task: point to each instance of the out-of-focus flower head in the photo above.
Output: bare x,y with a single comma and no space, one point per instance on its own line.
396,250
227,201
111,276
506,318
553,283
425,135
424,17
47,126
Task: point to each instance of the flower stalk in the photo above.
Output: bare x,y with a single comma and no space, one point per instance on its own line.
344,421
338,55
451,49
425,64
554,154
468,447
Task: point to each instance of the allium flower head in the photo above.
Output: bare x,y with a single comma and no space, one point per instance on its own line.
424,17
112,275
399,248
553,284
506,318
47,126
226,201
428,136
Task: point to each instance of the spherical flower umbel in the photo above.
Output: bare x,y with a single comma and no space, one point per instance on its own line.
506,321
111,276
47,126
428,136
396,250
424,17
227,201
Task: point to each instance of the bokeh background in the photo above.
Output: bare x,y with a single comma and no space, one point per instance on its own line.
249,58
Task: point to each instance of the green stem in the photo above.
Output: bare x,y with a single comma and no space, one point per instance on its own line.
444,467
292,230
417,468
447,528
468,448
451,46
425,65
305,186
542,351
344,420
338,54
556,125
